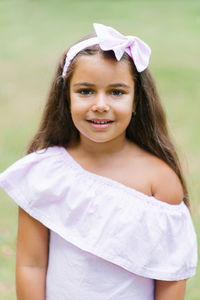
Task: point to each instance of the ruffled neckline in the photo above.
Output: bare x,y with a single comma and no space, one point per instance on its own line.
67,157
106,218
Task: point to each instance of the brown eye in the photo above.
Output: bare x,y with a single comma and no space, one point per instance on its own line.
117,92
85,92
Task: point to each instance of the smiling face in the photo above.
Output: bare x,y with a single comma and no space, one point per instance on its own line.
101,98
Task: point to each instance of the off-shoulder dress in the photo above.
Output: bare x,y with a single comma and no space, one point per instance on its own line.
107,241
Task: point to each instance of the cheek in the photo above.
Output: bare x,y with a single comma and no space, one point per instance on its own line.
125,110
78,107
78,114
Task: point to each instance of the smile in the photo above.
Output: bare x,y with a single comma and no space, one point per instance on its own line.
100,125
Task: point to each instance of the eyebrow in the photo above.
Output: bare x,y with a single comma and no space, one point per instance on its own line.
87,84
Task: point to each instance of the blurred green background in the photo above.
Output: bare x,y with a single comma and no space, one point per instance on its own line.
34,33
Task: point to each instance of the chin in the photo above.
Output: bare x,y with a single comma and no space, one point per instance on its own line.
97,140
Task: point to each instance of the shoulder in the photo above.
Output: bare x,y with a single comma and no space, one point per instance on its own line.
165,183
154,176
36,165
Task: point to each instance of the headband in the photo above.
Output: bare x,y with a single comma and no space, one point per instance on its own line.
110,39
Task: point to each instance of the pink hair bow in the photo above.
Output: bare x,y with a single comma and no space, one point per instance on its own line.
110,39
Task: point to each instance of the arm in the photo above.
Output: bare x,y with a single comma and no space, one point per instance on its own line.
31,258
173,290
167,188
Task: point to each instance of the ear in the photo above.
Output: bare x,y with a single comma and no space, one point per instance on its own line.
134,108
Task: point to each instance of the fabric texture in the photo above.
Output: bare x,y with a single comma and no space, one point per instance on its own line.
110,39
101,229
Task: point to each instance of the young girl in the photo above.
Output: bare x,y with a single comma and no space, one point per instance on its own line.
103,205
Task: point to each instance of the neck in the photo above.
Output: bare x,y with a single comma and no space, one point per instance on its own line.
98,149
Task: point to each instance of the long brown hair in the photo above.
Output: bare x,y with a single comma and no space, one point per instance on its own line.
148,127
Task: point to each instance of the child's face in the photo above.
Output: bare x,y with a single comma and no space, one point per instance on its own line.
101,90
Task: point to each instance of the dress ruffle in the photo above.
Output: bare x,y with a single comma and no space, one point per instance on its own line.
137,232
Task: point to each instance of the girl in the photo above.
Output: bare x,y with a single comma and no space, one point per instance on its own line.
102,200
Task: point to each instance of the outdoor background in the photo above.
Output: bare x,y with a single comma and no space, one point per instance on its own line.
33,34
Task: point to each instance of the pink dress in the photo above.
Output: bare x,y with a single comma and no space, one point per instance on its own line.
107,241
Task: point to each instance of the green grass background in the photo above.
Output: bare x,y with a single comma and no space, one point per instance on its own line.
34,33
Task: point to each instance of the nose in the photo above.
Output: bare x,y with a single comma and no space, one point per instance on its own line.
100,103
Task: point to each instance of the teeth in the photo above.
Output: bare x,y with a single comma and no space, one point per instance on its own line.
98,122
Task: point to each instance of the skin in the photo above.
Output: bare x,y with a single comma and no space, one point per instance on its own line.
31,258
100,89
88,91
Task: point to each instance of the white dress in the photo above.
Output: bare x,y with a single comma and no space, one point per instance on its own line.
107,241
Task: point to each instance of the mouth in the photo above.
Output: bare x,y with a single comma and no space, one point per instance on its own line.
100,124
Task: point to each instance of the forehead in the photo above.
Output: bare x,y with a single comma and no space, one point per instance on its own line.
97,68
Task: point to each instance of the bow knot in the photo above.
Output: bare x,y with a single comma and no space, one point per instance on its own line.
111,39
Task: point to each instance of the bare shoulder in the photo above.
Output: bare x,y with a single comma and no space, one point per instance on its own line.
165,184
153,176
